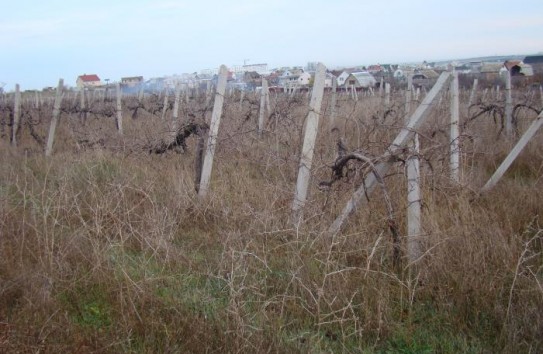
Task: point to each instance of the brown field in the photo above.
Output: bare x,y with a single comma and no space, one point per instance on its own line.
106,247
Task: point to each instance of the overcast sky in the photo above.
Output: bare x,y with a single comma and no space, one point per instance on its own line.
43,41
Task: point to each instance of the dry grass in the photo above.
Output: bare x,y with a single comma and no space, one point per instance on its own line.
106,248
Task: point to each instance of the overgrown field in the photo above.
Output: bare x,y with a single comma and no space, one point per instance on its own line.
106,247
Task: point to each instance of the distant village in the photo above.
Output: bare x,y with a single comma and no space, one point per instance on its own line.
527,70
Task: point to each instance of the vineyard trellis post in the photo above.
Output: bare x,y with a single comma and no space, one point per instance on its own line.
16,115
473,94
119,108
455,133
141,93
387,95
241,97
262,112
83,104
485,94
333,104
208,92
55,118
414,229
405,135
176,103
268,103
523,141
308,147
36,100
164,104
213,132
508,105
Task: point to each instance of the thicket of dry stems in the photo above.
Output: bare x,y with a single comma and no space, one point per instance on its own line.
105,247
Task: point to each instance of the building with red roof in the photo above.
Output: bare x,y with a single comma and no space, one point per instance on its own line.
85,81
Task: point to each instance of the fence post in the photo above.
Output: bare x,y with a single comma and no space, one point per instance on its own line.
119,112
208,92
213,132
55,119
261,114
141,93
473,93
268,103
333,104
164,104
241,96
508,105
310,136
387,95
413,185
176,103
16,115
83,104
455,134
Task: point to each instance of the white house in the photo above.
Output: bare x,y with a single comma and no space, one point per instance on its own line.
293,77
360,79
304,79
343,76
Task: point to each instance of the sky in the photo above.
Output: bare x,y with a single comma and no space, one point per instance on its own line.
42,41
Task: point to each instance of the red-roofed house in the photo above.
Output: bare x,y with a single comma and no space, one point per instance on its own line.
88,81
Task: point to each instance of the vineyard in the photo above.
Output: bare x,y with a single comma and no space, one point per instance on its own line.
109,245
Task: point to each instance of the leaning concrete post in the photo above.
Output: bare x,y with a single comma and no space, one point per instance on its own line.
16,115
213,132
416,120
262,111
455,134
310,136
530,132
381,86
54,120
508,105
119,112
